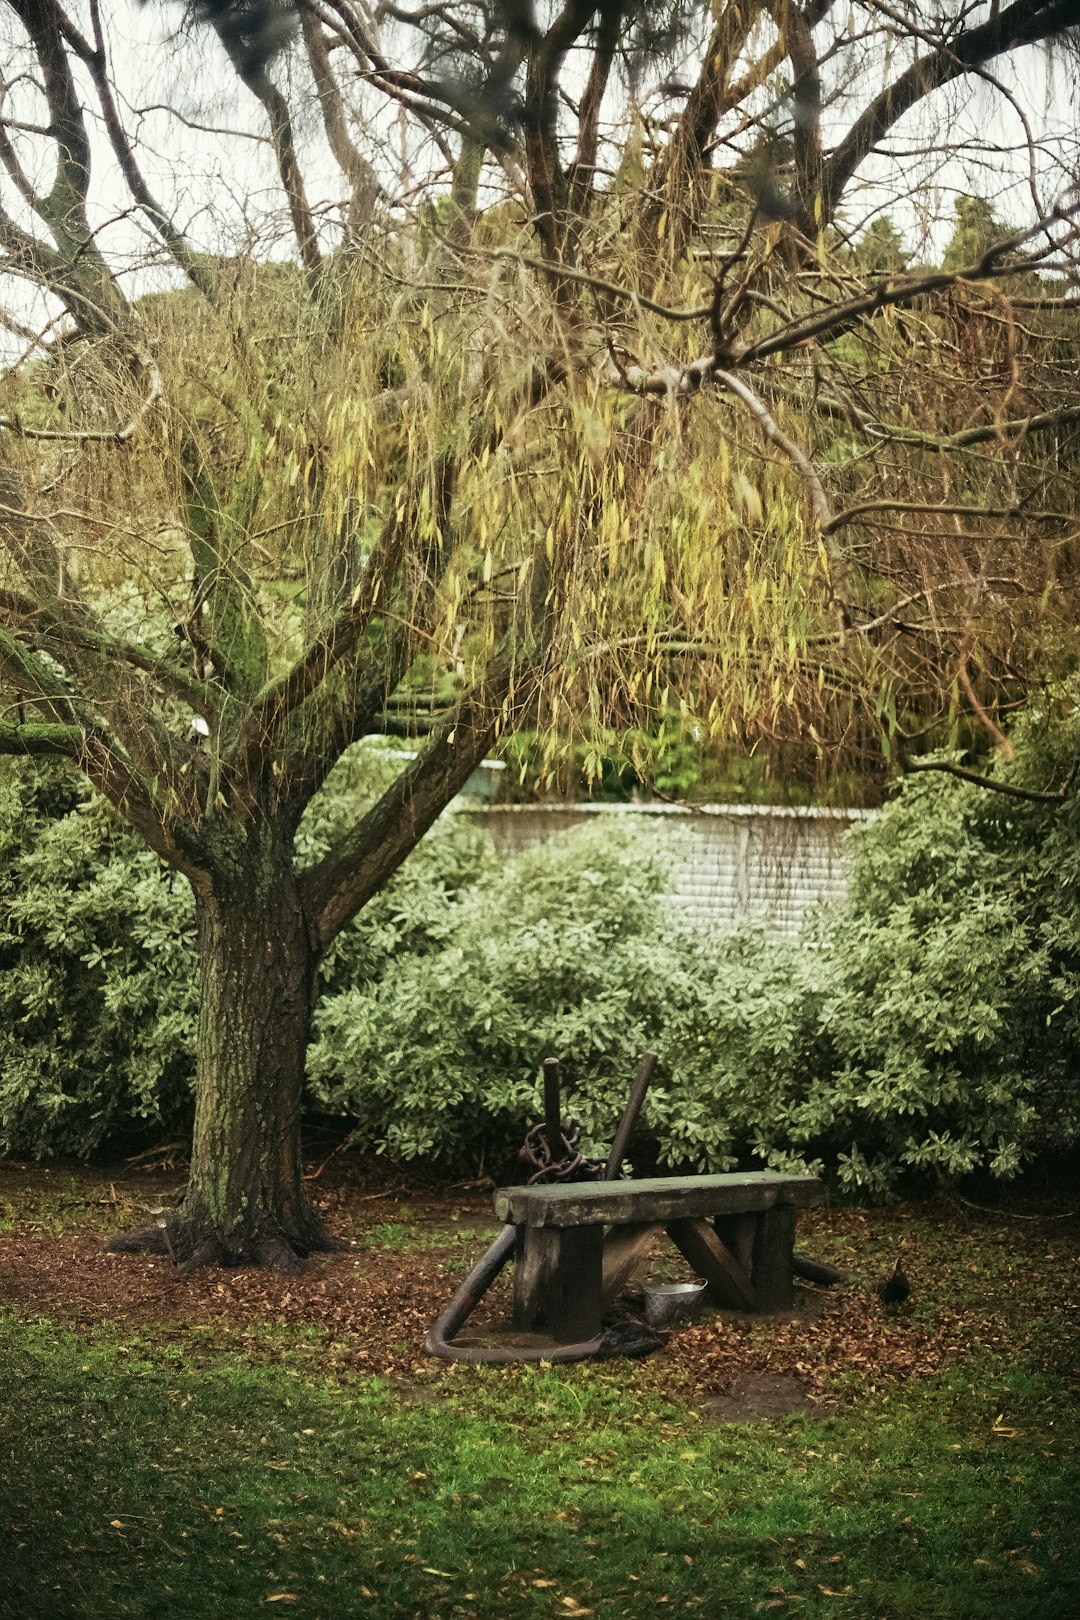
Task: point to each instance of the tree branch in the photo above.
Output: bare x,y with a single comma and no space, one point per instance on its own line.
254,77
1010,789
774,434
1024,23
336,888
329,650
95,60
1017,427
40,738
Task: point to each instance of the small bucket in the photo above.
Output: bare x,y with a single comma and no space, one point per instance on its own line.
673,1301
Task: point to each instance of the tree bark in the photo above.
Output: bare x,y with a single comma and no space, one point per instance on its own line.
246,1201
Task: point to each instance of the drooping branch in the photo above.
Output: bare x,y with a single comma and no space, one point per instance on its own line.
831,321
79,633
774,434
1025,22
898,291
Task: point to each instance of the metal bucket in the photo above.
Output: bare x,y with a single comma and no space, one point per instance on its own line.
673,1301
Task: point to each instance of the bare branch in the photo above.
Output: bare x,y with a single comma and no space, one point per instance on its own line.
774,434
1010,789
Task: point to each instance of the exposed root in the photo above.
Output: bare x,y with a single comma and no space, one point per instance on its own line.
191,1246
143,1240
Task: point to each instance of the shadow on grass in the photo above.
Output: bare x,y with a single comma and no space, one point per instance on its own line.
137,1483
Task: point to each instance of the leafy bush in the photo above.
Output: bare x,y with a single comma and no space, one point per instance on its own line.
98,1007
97,1011
928,1026
560,951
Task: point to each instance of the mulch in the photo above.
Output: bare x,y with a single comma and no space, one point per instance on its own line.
373,1305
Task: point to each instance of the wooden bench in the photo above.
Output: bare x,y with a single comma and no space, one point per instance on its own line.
578,1243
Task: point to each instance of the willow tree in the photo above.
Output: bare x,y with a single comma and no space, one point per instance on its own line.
567,395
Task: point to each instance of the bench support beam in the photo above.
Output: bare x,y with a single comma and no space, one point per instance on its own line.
729,1282
625,1249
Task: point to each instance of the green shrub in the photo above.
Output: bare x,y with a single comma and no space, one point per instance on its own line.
928,1026
560,951
97,1011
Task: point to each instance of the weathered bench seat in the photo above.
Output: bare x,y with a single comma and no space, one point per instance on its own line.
578,1243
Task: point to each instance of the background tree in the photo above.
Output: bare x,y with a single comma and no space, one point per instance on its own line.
495,437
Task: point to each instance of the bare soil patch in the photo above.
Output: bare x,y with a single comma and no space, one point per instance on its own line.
757,1396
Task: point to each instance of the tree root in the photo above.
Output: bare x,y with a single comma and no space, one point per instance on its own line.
191,1246
143,1240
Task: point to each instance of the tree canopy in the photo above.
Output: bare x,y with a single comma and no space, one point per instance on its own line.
505,363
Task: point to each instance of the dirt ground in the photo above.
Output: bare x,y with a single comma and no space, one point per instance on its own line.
977,1274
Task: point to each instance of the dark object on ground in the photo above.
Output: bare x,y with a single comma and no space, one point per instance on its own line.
816,1271
894,1288
629,1338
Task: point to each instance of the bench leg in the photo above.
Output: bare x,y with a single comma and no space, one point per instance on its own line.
626,1248
729,1282
557,1281
774,1240
736,1233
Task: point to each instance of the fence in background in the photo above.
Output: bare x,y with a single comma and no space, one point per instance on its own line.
729,864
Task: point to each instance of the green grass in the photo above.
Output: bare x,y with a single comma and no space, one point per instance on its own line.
405,1235
65,1201
138,1480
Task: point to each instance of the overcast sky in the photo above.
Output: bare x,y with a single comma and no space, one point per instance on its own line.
221,180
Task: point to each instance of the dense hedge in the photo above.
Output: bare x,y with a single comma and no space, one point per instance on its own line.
97,1007
929,1025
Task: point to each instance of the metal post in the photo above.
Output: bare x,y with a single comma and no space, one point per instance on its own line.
553,1108
630,1114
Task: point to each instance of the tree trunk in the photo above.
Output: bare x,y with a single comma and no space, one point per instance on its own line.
246,1201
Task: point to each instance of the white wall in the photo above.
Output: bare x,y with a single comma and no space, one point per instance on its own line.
729,863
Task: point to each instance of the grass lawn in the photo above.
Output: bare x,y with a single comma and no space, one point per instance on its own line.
200,1461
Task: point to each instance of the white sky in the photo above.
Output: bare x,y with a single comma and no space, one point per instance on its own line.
224,191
